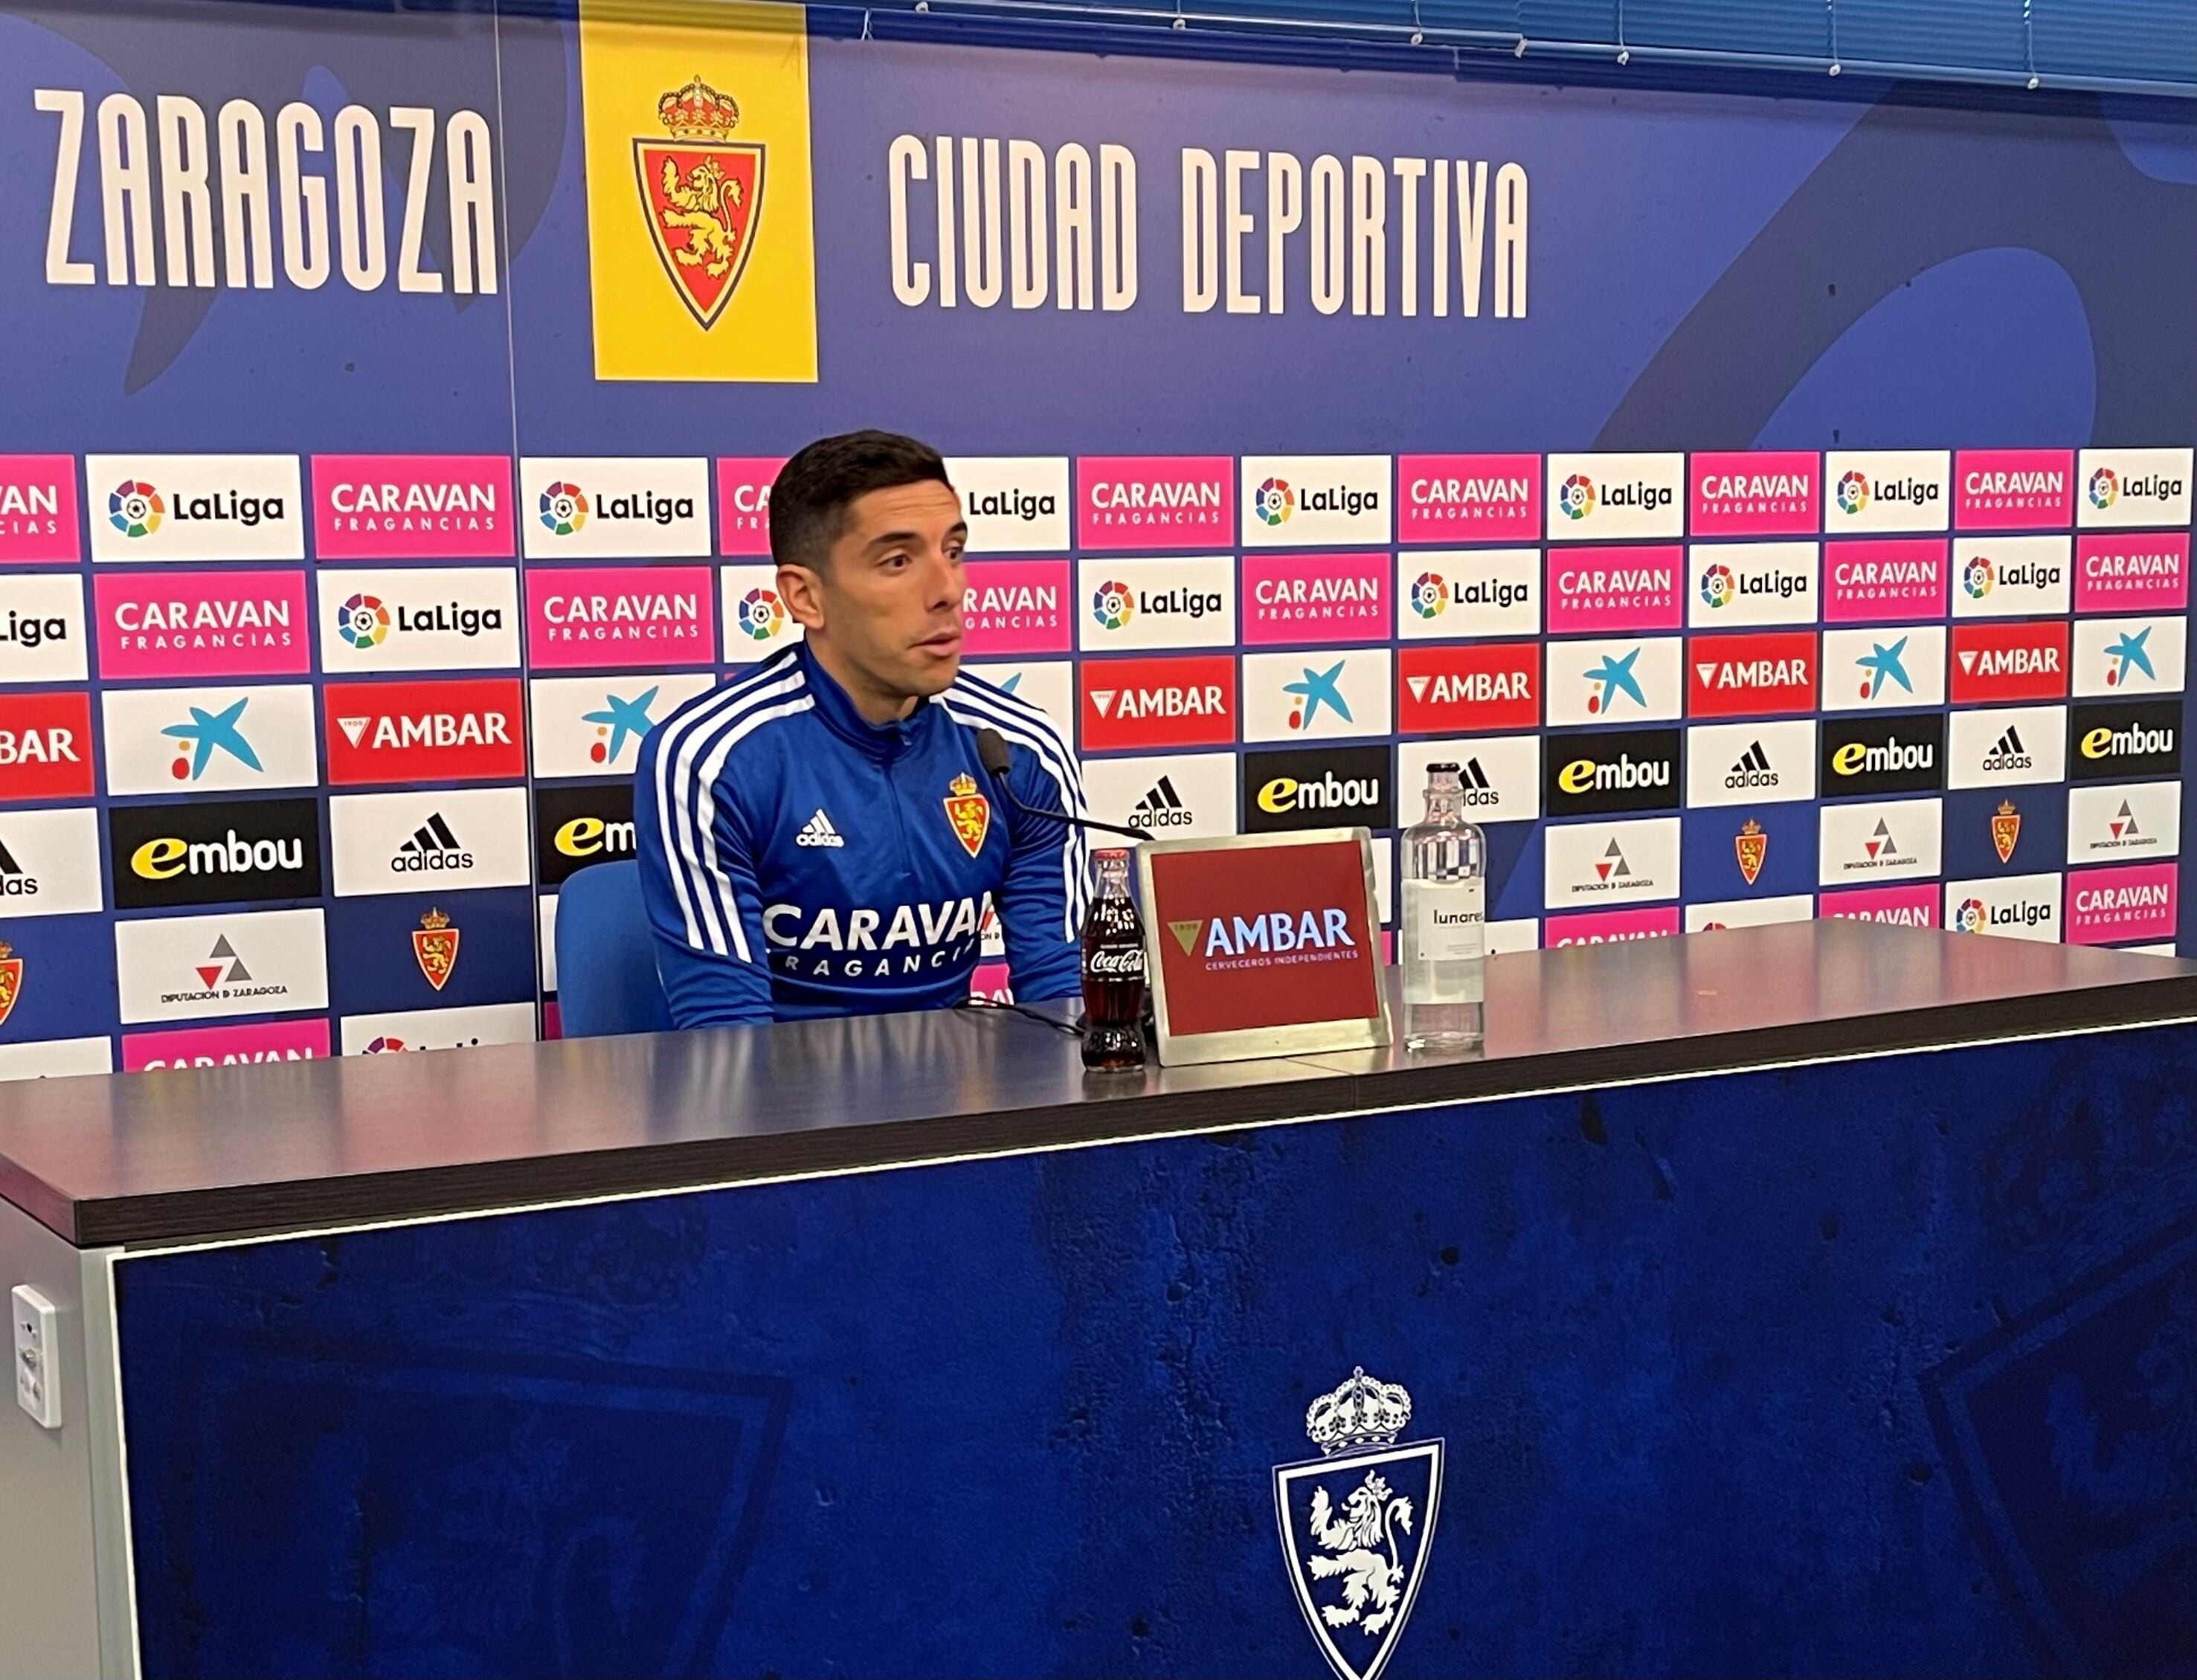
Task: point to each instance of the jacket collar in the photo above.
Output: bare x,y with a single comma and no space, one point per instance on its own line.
880,741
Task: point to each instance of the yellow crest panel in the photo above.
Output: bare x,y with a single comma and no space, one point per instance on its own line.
701,237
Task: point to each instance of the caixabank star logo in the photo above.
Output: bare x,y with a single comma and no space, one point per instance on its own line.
700,235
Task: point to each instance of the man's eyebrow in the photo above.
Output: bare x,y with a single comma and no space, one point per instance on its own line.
894,538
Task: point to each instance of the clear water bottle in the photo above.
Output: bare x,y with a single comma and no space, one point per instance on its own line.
1445,921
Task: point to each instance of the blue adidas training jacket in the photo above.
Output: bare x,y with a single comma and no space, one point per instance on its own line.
799,861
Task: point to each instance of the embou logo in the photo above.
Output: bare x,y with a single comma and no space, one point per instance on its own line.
215,854
2127,740
1593,771
1895,754
1317,788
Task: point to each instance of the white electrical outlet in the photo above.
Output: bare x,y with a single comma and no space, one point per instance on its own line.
38,1376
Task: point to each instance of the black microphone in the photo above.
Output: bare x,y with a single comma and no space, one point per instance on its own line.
991,753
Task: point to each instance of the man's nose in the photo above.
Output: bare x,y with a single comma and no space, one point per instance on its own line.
942,582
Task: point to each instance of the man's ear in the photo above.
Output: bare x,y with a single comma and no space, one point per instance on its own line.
802,591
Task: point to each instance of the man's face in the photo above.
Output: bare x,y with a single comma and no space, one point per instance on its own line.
889,600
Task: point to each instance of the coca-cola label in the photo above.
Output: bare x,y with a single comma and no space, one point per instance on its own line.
1121,962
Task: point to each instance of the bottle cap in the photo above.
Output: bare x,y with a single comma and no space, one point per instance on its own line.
1436,770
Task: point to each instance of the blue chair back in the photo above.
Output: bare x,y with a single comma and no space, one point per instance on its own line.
606,956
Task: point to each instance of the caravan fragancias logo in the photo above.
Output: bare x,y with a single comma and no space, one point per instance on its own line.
1358,1522
702,191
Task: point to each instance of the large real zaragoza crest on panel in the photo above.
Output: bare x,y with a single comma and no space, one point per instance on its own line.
1357,1522
702,191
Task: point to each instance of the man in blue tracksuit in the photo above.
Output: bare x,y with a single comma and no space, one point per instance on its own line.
818,836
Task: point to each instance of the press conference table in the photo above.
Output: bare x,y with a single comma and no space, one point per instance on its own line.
1815,1297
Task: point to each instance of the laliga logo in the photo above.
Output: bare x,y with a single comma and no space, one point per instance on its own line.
2105,488
564,508
1976,578
1717,586
363,621
1429,597
763,615
1969,918
135,508
1576,498
1111,604
1853,493
1273,501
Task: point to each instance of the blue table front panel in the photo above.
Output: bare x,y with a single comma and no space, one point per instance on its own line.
1886,1366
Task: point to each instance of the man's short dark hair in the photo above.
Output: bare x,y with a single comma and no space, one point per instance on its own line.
809,498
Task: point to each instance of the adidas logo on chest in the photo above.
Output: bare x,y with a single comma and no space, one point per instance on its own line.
818,832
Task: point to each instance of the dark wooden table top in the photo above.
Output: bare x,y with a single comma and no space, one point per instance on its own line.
154,1157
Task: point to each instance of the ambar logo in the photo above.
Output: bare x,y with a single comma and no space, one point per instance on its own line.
1597,771
1468,688
45,747
426,732
2009,662
1740,675
200,852
1158,703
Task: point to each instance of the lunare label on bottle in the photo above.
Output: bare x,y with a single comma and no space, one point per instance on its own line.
1446,921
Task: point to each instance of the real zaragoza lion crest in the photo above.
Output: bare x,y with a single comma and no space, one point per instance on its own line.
435,946
1751,845
702,191
1358,1521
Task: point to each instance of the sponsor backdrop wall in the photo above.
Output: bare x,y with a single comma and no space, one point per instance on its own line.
1777,509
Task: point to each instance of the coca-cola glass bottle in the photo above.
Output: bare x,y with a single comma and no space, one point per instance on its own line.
1113,971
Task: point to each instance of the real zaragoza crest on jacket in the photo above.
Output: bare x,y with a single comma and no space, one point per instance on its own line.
1357,1522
